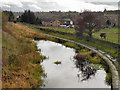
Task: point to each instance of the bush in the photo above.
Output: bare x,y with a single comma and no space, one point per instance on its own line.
80,56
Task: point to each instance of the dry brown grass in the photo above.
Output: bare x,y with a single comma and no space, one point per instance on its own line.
21,62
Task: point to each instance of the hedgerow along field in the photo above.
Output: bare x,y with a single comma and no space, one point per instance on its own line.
60,29
112,35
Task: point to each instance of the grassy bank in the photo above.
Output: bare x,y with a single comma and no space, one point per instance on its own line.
21,61
95,60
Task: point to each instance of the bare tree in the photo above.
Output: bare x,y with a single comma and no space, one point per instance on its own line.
88,21
79,26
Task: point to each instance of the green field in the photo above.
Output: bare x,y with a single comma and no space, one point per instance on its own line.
111,35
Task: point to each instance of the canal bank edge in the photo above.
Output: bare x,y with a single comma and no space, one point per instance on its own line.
115,75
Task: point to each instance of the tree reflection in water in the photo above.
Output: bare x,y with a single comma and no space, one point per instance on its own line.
86,69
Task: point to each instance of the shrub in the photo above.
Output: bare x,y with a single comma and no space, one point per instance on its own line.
80,56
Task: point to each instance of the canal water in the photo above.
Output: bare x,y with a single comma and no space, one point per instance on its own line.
67,74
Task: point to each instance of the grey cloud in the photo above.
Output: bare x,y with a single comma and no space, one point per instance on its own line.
49,5
106,3
45,6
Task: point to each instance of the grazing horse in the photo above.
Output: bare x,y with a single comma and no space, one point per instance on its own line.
103,35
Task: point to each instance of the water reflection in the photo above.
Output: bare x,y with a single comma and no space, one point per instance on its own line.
86,69
71,73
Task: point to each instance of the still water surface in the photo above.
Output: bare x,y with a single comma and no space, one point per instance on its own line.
66,74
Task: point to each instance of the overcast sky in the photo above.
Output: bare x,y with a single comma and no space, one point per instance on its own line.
56,5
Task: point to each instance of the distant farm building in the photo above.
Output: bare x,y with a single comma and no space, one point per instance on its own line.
58,23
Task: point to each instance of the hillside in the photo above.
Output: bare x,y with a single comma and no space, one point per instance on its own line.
52,15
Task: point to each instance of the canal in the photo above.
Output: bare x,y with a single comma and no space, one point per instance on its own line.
67,74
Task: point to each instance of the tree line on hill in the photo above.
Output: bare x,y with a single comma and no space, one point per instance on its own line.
27,17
